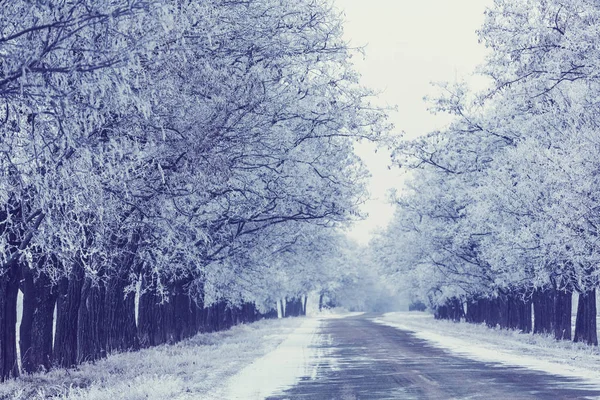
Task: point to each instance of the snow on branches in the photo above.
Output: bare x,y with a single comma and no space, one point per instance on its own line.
172,142
504,202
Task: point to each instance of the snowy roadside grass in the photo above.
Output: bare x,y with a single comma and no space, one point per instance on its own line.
509,347
194,368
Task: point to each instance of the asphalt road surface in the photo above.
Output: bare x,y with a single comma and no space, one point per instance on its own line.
365,360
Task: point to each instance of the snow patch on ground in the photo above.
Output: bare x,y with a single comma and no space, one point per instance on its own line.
280,369
501,346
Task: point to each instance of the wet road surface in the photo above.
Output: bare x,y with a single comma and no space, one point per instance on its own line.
364,360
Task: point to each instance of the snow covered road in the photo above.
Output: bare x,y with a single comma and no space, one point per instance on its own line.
358,358
298,357
281,368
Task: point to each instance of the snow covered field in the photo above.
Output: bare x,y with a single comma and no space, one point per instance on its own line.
479,342
193,369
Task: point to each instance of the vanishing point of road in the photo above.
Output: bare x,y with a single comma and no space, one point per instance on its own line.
366,360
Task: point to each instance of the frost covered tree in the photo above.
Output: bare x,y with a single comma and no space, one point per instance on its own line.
503,205
151,142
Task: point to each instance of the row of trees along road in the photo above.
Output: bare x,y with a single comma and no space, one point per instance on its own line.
503,209
191,152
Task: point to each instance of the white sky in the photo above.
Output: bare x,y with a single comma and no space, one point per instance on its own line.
409,44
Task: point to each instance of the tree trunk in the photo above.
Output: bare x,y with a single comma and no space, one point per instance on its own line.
39,299
67,317
503,303
517,313
119,309
543,309
209,325
441,312
150,317
200,315
475,311
197,304
246,313
235,315
119,316
304,305
167,311
457,309
562,314
512,305
471,314
289,307
585,325
524,310
493,315
27,316
9,290
90,328
293,307
182,312
216,315
226,320
146,320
